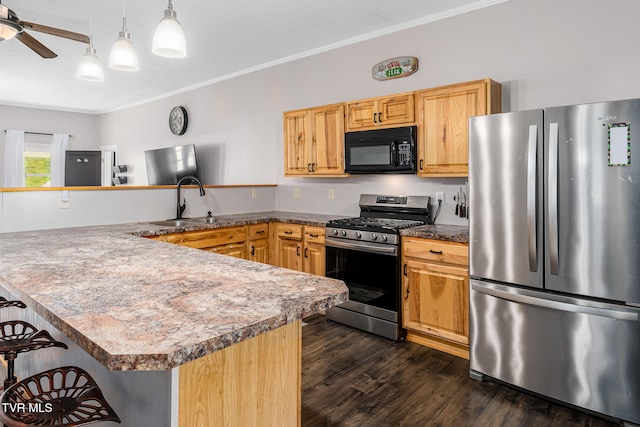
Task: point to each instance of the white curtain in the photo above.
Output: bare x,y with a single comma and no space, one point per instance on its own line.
14,159
58,154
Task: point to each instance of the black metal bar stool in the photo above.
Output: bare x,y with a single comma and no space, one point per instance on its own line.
17,336
4,303
62,397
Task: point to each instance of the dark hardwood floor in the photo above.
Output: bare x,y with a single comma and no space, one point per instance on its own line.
352,378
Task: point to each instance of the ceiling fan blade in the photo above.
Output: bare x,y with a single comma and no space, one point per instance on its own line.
35,45
55,31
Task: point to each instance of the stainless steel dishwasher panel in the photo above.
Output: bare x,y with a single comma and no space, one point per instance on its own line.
577,351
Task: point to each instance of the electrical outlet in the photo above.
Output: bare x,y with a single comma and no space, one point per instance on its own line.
332,194
297,193
440,196
254,193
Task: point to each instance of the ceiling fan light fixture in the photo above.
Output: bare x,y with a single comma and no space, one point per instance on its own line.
123,55
89,67
8,29
169,40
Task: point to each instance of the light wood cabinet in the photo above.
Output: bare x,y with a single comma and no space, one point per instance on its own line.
314,251
258,243
381,112
287,242
238,250
299,247
435,294
314,141
231,241
442,117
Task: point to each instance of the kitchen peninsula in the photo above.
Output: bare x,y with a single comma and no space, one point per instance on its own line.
173,335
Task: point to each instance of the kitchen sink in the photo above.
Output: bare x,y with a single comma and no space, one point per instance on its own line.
185,221
204,219
172,222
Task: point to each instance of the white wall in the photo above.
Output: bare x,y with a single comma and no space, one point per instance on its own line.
544,52
37,210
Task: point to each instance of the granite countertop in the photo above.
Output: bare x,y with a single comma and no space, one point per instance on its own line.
139,304
222,221
449,233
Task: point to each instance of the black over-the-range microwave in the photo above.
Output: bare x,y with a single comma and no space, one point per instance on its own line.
381,151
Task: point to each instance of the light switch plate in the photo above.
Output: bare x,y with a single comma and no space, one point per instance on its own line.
254,193
297,193
332,194
64,202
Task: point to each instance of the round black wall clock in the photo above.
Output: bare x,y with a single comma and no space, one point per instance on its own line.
178,120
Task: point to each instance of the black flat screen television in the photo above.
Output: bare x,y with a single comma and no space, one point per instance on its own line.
165,166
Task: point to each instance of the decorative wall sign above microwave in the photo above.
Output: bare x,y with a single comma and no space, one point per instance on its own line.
401,66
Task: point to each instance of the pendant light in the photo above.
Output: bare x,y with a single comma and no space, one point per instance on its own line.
89,67
168,40
123,53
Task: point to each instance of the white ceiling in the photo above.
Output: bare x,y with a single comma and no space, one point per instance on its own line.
224,38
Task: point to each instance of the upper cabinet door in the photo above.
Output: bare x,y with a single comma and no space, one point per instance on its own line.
443,116
327,143
362,114
397,109
380,112
297,135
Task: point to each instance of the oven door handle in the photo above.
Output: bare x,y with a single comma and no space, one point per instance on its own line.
362,246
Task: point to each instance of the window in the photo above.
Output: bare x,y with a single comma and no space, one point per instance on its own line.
37,164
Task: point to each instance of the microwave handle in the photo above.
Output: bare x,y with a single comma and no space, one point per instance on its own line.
394,153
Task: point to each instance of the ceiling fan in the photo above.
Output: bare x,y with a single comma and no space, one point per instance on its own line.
11,26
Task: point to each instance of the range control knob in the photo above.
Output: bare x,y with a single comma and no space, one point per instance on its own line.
374,237
335,232
344,233
358,235
384,238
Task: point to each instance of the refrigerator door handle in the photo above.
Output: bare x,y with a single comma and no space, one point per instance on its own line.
555,305
531,197
552,202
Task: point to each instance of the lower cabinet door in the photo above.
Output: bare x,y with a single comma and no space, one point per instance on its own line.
259,251
314,259
235,250
436,300
290,254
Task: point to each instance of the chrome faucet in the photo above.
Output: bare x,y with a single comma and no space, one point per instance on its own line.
183,206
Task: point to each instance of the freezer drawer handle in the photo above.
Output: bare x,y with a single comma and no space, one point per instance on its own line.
532,161
556,305
552,202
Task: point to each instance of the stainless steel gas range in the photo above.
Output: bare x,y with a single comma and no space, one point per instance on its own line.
364,252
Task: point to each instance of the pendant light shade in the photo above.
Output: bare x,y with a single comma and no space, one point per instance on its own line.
89,67
168,40
123,55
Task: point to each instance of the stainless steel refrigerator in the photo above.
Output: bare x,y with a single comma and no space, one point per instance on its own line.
555,253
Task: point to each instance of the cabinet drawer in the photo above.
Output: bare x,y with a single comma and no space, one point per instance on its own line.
313,234
289,231
258,231
435,250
